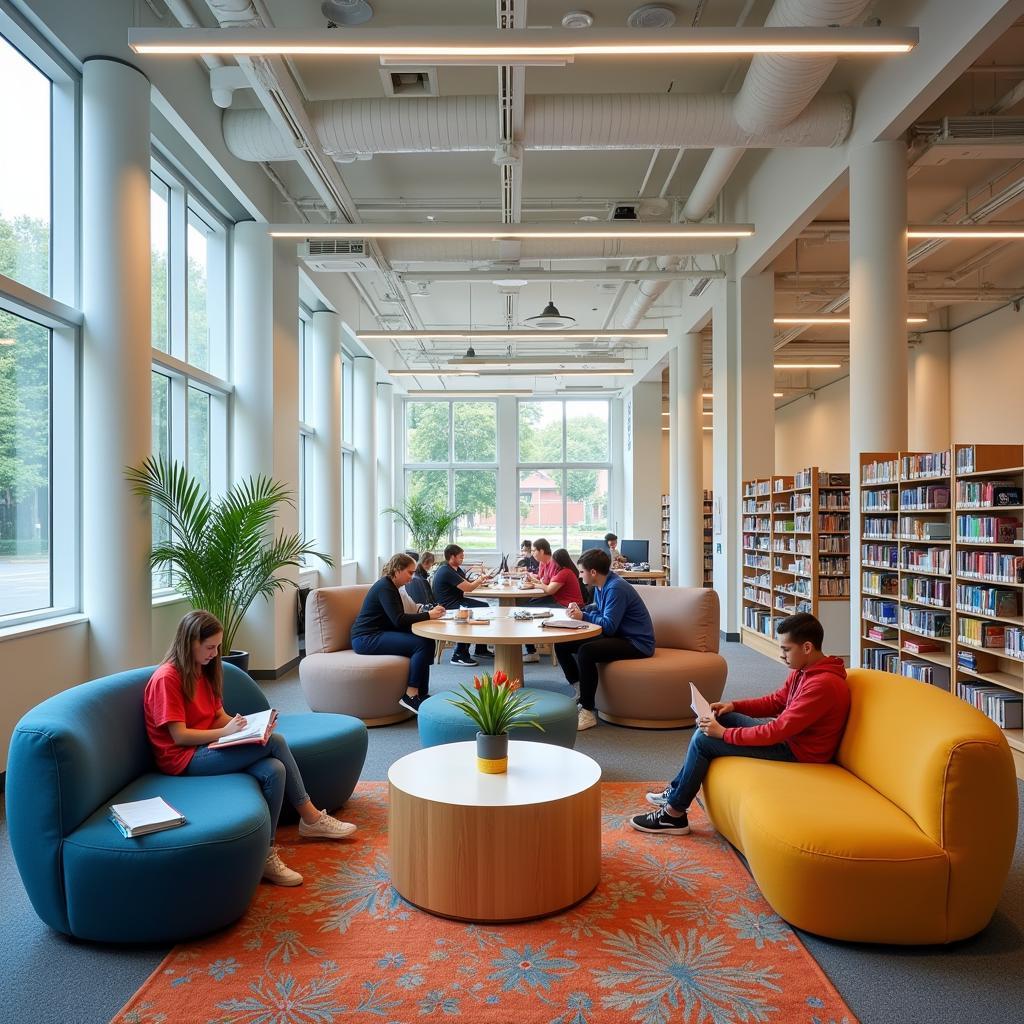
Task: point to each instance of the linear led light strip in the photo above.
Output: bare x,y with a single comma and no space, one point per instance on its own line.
513,232
967,231
452,45
808,366
443,334
476,393
825,320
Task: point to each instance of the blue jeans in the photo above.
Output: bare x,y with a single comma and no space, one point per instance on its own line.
271,764
704,749
462,650
418,649
540,602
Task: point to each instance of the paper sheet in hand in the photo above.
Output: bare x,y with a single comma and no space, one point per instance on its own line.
257,729
699,704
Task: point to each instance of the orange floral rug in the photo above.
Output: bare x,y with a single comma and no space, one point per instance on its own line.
676,933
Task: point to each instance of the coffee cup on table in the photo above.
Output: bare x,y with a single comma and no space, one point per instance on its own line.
462,614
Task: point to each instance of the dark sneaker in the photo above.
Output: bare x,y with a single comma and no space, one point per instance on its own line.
412,703
464,659
483,654
659,799
661,821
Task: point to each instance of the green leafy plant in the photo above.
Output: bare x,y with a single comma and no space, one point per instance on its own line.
426,521
496,703
222,554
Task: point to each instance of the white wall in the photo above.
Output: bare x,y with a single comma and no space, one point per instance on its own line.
815,431
986,371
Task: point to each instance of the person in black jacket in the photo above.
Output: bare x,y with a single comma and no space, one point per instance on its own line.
383,626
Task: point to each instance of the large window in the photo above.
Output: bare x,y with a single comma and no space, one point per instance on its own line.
564,470
38,337
188,272
348,498
451,454
306,432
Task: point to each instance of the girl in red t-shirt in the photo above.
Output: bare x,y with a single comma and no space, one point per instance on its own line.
184,713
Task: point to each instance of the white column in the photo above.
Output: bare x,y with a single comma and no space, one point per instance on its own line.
686,455
878,325
325,493
928,399
385,467
364,429
116,392
744,420
265,435
508,477
643,468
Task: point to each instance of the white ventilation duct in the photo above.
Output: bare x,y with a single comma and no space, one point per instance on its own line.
778,90
448,124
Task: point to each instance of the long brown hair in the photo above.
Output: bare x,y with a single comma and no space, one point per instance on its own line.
197,625
396,563
563,559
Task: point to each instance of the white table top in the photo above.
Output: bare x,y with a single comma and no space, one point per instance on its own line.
537,773
515,592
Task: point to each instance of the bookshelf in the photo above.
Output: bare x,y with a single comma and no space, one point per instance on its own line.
709,559
796,555
666,525
942,574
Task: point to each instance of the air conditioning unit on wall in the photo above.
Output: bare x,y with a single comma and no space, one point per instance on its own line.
338,255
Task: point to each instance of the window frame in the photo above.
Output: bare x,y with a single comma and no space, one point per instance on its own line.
348,453
306,431
56,311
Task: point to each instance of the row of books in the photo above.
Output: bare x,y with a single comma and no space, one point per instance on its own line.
752,561
989,529
798,586
838,586
911,528
1004,707
751,540
925,621
792,545
926,672
760,596
880,659
879,554
925,559
805,478
1013,642
883,471
756,524
976,633
882,633
886,612
882,500
833,522
926,496
834,565
836,544
839,500
881,583
987,493
759,621
992,565
913,467
875,528
925,590
966,459
984,600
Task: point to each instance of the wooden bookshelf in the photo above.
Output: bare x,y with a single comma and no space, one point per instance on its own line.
939,580
796,546
666,530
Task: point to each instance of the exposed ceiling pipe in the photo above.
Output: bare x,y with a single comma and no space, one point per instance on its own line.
518,274
777,90
348,129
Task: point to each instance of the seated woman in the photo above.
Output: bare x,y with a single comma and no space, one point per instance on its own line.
418,588
563,589
383,626
184,713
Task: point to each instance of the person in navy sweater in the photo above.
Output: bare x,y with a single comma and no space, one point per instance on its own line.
626,628
383,626
808,716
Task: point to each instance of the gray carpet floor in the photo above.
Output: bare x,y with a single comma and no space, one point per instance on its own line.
49,978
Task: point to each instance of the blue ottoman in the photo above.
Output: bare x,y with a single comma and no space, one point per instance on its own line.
441,722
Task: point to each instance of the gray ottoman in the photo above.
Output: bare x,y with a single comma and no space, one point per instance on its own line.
441,722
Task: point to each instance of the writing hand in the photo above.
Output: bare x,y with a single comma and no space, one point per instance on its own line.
237,724
436,612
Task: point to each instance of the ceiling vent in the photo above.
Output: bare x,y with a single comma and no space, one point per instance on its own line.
338,255
652,16
346,12
400,82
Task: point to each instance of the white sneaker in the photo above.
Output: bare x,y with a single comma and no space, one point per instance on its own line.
277,872
326,827
531,659
585,720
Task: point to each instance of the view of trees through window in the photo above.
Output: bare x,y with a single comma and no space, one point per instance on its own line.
24,345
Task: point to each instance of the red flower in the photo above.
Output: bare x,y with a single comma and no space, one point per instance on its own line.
500,677
476,682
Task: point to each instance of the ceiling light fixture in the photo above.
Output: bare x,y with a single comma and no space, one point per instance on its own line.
808,366
506,361
778,394
457,44
427,371
475,393
979,231
830,320
550,319
513,232
450,334
550,371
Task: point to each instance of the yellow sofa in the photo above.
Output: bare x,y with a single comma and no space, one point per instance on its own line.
907,838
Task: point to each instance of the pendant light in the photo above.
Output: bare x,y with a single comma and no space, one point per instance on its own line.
550,319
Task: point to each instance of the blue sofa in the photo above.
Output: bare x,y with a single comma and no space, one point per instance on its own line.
85,748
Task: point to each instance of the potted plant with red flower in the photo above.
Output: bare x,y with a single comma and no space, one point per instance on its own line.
495,703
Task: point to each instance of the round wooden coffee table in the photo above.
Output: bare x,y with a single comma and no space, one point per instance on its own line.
506,847
508,596
507,634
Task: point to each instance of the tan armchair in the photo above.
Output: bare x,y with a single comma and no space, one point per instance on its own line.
654,693
336,679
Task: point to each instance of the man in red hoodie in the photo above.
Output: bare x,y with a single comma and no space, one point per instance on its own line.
810,713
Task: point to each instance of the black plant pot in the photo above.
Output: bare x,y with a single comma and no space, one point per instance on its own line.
240,659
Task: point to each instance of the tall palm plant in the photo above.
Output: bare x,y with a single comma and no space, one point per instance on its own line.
223,554
426,521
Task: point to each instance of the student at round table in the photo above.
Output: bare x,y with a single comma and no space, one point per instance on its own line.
451,587
563,589
527,563
184,713
613,550
383,626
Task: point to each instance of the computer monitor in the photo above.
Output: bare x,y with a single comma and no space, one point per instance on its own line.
635,551
593,542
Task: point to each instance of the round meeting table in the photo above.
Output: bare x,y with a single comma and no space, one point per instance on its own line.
508,595
496,626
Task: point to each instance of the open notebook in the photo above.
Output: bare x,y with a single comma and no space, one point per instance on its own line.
258,728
